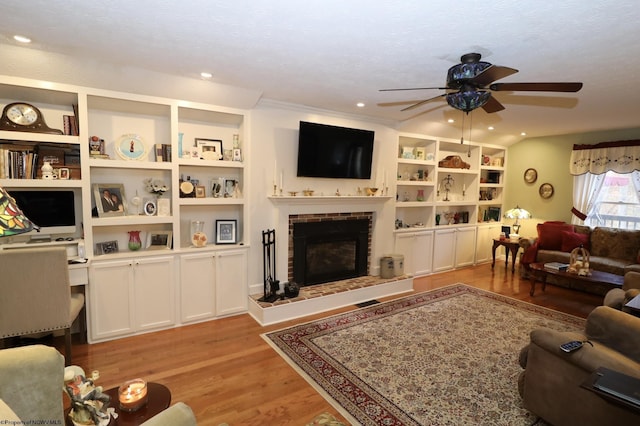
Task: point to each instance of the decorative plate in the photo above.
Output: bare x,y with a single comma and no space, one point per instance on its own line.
530,175
546,190
131,147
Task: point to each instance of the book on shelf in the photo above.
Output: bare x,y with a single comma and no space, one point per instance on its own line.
556,266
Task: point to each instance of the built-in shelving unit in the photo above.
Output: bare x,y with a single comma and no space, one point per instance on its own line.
451,198
134,291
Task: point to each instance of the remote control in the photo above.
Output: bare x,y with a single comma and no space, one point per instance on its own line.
571,346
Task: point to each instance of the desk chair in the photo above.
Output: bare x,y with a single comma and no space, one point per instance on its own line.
35,295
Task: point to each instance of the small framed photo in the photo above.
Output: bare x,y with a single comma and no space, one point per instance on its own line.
63,173
164,207
226,232
159,240
107,247
110,199
150,206
200,191
237,154
210,149
420,153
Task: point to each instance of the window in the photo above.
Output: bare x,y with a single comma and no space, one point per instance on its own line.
617,204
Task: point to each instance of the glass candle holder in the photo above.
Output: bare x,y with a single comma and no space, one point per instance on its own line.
132,395
198,237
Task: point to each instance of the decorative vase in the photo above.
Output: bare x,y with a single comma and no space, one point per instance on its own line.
437,219
47,170
134,240
198,237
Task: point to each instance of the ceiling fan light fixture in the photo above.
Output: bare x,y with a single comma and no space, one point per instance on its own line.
468,101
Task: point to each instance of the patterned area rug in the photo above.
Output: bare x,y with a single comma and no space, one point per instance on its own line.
443,357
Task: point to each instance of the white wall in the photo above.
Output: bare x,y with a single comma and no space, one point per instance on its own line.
274,140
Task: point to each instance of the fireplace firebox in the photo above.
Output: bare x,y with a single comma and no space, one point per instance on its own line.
330,250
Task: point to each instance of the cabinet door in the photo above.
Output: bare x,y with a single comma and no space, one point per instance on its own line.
485,242
444,254
197,287
423,252
154,298
405,247
231,282
111,299
465,246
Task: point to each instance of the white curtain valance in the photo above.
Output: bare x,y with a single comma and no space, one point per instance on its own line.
620,157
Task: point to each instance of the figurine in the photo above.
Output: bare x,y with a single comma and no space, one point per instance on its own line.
88,402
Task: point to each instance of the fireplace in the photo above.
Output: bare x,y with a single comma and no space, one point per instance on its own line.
330,248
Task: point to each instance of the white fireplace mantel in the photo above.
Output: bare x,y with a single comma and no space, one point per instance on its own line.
328,199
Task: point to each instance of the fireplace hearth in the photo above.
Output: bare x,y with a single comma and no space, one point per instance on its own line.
330,250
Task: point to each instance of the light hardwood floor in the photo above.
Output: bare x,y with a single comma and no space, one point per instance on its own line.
226,372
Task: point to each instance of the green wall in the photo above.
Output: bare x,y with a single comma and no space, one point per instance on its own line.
550,157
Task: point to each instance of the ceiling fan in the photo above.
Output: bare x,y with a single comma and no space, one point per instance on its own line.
470,83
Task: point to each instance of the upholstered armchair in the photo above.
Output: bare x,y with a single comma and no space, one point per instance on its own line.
31,380
617,297
551,383
35,295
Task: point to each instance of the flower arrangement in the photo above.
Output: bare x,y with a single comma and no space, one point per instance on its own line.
156,187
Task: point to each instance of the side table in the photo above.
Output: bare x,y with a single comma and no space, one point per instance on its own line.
510,246
159,400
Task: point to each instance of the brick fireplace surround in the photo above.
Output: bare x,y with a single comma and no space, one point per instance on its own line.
324,217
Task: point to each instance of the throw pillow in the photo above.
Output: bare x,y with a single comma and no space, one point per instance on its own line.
550,234
571,240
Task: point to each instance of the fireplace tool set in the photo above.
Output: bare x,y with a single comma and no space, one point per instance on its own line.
271,284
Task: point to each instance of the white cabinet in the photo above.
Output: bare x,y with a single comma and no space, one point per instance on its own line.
454,248
131,295
465,246
417,248
484,242
445,249
213,283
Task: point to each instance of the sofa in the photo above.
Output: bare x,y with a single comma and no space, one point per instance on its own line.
616,298
550,384
31,380
612,250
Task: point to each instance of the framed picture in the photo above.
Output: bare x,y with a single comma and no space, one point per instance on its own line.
200,191
63,173
226,232
494,214
210,149
159,240
506,230
107,247
164,207
150,206
420,153
237,154
110,199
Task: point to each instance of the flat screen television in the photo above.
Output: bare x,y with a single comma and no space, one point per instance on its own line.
54,211
334,152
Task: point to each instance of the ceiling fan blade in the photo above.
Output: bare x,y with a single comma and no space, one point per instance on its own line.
492,105
398,103
416,105
415,88
537,87
492,73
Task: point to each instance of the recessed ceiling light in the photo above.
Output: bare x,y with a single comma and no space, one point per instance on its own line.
490,127
360,104
523,134
206,75
22,39
451,120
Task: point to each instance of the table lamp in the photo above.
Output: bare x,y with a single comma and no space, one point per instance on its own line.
12,220
517,213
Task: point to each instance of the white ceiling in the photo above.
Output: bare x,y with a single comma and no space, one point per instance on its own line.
330,54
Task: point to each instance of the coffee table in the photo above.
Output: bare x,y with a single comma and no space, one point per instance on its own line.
159,400
540,273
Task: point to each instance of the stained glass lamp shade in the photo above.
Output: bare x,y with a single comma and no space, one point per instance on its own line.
517,213
12,220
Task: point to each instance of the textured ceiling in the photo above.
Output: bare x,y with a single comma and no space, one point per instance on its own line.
331,54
